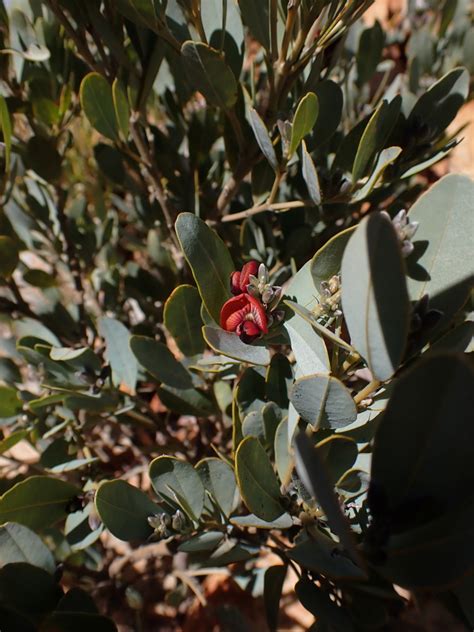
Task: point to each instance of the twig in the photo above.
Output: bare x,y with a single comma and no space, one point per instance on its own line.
261,208
365,392
81,45
153,176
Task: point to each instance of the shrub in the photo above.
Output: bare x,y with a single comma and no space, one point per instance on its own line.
225,261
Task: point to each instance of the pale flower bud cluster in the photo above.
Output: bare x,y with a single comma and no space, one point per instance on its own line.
330,292
259,287
405,231
165,525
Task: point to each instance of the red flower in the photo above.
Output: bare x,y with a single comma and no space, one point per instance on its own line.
240,280
245,315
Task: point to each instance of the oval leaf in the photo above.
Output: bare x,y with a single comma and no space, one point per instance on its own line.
229,344
177,480
304,120
209,74
98,105
37,502
257,481
374,295
158,360
125,510
209,260
323,401
263,138
182,318
441,264
20,544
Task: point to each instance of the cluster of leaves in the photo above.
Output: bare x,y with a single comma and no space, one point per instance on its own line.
284,128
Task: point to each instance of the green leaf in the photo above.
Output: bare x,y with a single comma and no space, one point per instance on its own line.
125,510
218,479
284,521
308,347
212,18
385,158
432,405
263,138
305,118
284,461
15,437
369,53
182,318
438,106
374,295
209,260
331,102
314,476
10,405
141,12
257,481
322,555
255,16
327,261
338,453
444,214
121,107
98,105
310,176
177,480
323,401
37,502
20,544
278,380
273,581
203,542
374,136
158,360
28,590
229,344
209,73
118,353
6,127
189,401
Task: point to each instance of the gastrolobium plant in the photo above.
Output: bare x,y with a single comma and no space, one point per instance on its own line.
225,270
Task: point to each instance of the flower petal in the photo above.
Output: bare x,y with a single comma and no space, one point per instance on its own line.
231,312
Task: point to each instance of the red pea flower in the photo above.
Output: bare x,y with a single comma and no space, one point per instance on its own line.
245,315
240,280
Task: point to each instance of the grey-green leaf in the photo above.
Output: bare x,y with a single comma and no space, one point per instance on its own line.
374,136
182,318
209,73
209,260
323,401
158,360
20,544
442,264
98,104
305,118
125,510
229,344
37,502
118,353
310,176
169,475
374,295
257,481
263,138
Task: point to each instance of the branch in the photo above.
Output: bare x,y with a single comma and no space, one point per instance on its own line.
267,206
